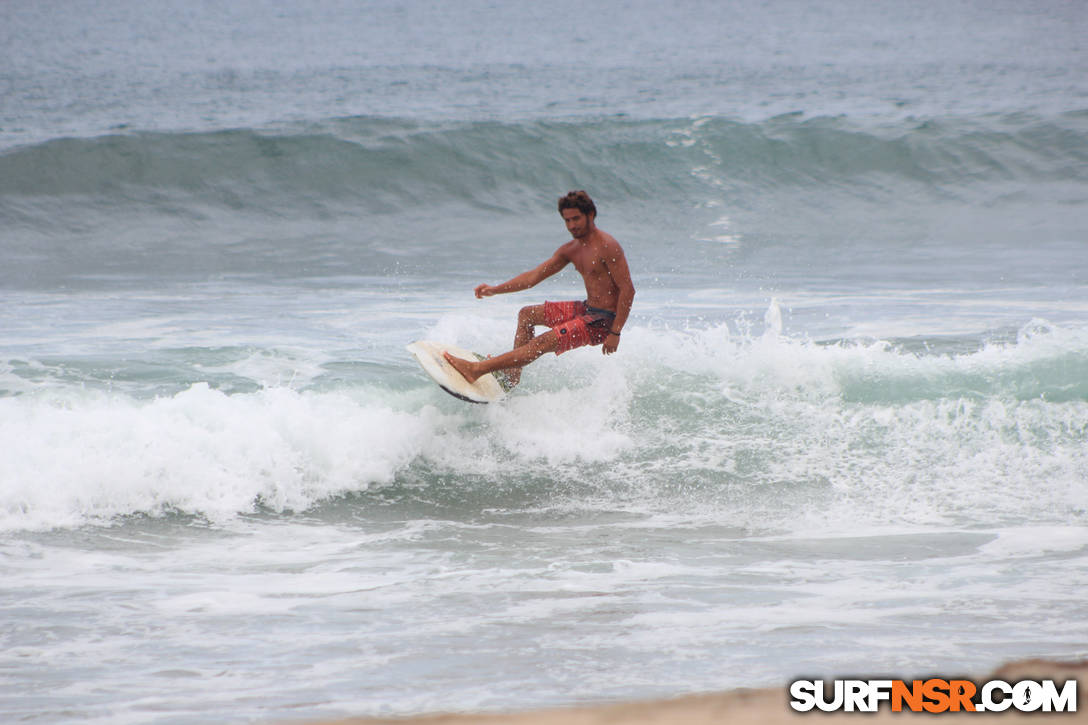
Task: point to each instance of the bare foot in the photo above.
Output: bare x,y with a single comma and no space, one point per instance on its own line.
465,367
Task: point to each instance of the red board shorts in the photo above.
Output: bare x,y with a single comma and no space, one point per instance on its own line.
577,324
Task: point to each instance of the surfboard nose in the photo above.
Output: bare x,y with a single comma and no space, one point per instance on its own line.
432,357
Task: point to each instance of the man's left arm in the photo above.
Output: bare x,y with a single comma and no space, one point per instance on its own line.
616,263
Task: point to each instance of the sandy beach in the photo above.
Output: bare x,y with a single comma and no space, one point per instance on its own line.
757,706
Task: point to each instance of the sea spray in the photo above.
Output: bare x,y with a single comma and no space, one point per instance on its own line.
890,437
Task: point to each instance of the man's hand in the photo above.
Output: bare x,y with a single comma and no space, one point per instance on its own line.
610,343
484,290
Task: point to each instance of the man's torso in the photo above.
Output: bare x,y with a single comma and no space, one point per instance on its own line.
588,258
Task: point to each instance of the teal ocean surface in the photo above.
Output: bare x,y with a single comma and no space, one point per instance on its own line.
846,431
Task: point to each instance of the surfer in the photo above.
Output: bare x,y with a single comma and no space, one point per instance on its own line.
598,320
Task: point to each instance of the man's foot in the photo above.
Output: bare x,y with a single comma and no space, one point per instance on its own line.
465,367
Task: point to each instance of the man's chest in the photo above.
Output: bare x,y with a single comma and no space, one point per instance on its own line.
589,264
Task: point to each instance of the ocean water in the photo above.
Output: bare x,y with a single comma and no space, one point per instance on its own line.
846,431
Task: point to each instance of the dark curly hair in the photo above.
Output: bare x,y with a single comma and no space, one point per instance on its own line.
578,200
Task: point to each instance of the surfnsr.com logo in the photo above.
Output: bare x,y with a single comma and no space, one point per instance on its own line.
933,695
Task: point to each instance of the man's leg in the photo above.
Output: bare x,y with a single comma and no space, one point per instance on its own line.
528,319
517,358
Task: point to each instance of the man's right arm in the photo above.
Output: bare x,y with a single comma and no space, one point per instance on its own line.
525,280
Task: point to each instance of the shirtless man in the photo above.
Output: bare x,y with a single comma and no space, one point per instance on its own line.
598,320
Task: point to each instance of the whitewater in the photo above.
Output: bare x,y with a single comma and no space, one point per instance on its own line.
846,432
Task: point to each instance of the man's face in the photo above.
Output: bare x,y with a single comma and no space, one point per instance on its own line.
578,224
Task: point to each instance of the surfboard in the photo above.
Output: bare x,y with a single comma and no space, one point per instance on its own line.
489,388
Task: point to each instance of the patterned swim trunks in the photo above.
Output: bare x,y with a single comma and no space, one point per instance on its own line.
577,324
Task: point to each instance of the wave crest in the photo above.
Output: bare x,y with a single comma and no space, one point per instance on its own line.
390,165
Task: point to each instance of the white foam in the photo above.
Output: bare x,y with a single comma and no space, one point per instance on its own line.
1036,541
78,458
577,423
858,435
752,431
278,367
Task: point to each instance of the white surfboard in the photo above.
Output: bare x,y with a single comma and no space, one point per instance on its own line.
487,388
